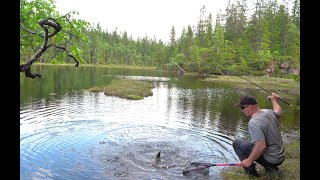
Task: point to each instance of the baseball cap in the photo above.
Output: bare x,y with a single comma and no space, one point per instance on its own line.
246,100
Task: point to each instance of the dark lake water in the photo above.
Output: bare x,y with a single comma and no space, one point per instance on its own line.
67,132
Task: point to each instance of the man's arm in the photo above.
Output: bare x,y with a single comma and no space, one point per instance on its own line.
276,106
259,147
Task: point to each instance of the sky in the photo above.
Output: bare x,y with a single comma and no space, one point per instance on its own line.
140,18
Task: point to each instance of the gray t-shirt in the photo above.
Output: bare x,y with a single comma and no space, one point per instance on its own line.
264,126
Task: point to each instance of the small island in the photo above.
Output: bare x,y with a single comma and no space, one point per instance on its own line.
127,89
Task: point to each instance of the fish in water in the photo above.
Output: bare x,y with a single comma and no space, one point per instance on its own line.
156,158
156,162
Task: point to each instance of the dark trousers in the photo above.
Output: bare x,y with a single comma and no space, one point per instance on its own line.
244,148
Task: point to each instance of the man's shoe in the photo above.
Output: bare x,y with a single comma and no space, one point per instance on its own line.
251,170
271,169
252,173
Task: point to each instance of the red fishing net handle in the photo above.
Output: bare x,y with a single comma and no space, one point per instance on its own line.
200,165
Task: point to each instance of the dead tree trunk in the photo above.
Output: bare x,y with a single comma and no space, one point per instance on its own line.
180,71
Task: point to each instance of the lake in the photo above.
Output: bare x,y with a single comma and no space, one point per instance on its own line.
67,132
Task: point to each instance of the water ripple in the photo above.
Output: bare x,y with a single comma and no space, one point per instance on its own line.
98,136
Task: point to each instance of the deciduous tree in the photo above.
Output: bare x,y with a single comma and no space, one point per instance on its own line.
42,28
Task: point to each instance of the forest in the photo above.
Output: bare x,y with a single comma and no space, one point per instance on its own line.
263,41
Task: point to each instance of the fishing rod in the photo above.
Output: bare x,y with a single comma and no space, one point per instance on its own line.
264,90
196,166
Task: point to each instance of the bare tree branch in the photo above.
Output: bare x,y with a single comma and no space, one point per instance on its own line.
45,24
69,54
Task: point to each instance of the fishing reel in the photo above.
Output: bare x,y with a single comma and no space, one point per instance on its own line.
269,98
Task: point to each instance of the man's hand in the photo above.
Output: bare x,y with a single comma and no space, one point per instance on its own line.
246,163
274,97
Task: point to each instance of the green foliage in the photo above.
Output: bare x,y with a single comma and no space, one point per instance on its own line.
264,55
294,77
55,61
179,58
246,44
33,11
216,70
77,52
236,69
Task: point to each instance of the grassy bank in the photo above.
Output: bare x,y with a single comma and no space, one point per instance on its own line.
272,84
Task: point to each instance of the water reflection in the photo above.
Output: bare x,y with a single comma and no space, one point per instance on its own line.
74,133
